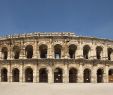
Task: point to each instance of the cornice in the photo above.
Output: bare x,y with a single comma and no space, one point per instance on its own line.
56,61
50,35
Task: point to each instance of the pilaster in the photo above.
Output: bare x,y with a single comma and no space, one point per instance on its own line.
9,74
35,50
80,73
106,75
35,74
93,52
0,54
50,50
50,75
21,73
104,55
79,52
94,75
65,75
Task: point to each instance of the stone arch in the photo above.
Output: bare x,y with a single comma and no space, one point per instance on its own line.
99,51
43,75
28,74
43,51
73,73
59,66
4,77
58,75
72,50
110,76
4,52
15,75
100,73
86,51
109,52
87,75
29,51
57,51
16,50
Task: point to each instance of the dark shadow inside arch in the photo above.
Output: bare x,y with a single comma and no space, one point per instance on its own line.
87,76
99,75
57,51
58,75
110,50
111,76
16,50
29,51
86,50
28,75
72,50
15,75
4,75
5,52
99,52
72,75
43,75
43,51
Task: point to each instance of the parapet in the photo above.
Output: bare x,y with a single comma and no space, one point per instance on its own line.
38,34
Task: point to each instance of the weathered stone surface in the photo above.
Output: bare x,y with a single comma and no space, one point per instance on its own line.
85,56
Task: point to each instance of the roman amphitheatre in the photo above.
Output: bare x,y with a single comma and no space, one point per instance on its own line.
55,63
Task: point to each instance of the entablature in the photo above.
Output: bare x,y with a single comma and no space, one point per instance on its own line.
57,61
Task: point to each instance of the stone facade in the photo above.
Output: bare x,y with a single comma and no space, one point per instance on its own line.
55,58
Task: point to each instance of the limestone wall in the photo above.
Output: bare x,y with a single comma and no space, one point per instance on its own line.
80,61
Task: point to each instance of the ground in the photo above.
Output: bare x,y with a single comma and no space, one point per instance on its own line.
55,89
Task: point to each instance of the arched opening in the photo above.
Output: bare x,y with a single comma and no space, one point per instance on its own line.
58,75
15,75
72,75
57,51
99,75
109,53
43,75
87,76
16,50
5,52
99,52
29,51
72,50
111,75
86,50
43,51
4,75
28,75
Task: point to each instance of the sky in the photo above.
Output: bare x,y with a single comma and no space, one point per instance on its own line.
84,17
